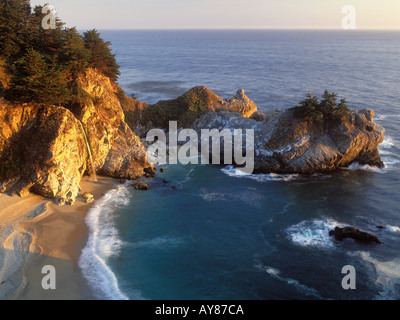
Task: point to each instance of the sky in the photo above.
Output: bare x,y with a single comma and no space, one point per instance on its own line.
224,14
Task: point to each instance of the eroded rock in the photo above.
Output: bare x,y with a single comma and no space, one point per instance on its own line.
185,109
351,232
285,144
140,185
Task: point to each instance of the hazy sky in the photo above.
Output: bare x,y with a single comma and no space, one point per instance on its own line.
172,14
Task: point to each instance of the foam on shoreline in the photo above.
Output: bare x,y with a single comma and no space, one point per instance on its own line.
103,243
35,232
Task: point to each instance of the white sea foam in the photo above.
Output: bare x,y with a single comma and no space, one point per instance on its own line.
390,164
250,197
237,173
103,243
313,233
388,143
356,166
214,196
387,275
393,228
159,242
275,273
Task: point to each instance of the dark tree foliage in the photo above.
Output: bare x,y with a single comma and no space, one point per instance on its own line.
73,55
45,64
102,57
14,27
38,80
325,111
46,41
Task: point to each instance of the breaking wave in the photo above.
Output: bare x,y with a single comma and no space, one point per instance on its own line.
314,233
103,243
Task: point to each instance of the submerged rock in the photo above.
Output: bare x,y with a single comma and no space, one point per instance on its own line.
351,232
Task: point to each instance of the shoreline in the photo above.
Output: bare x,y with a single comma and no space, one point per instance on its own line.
36,232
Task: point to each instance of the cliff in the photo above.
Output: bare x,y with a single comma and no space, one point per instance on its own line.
47,149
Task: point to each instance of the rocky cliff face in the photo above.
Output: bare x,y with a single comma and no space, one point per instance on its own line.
42,150
117,151
46,150
285,144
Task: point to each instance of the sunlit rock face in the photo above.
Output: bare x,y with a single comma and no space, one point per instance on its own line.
42,150
46,150
117,151
185,109
285,144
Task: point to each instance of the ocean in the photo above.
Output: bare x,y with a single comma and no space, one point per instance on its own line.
211,233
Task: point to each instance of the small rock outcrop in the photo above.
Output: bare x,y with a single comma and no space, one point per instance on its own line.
140,185
89,198
185,109
353,233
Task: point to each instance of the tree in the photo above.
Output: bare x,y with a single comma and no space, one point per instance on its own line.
46,41
74,56
309,108
15,33
327,110
102,57
38,80
45,64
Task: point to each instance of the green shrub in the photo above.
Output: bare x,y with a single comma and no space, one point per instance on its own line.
324,111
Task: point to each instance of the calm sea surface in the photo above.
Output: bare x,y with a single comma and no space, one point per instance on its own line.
220,235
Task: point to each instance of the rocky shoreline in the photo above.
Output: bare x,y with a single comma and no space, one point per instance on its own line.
46,150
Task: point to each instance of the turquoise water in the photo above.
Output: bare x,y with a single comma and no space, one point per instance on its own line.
211,233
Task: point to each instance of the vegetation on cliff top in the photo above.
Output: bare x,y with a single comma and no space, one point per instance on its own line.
44,64
185,109
323,111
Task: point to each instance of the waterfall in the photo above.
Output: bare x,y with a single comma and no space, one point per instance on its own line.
89,151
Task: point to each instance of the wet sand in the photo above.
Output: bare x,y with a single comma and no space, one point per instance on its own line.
36,232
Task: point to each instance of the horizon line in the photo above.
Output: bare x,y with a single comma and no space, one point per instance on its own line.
245,29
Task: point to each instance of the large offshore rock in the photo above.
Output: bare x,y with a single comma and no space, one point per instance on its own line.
284,143
185,109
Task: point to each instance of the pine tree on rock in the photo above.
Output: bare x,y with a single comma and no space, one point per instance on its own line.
101,56
15,34
38,80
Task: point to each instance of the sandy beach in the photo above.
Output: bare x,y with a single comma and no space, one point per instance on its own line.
35,232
